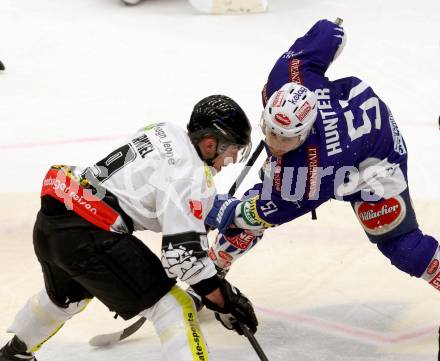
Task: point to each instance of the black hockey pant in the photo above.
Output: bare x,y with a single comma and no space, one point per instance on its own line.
82,261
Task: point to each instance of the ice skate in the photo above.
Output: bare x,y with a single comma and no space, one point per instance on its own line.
15,350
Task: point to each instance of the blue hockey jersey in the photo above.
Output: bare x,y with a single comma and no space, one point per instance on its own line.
354,152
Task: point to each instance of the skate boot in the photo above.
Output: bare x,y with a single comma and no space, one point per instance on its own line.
15,350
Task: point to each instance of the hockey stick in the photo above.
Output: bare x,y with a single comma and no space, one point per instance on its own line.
253,342
112,338
246,168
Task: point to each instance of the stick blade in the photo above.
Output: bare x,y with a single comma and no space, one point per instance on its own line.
112,338
105,340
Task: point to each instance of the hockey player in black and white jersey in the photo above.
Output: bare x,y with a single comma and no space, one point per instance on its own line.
159,180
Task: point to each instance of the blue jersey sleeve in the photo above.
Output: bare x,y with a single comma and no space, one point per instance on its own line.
311,53
286,192
256,212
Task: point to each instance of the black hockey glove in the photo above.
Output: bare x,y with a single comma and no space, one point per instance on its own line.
237,308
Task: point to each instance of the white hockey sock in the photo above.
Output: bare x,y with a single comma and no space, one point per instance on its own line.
175,320
40,319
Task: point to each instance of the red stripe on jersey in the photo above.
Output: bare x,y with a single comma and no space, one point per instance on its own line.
79,199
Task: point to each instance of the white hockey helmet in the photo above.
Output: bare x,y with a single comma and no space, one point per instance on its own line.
290,111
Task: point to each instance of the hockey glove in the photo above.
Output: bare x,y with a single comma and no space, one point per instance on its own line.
222,213
237,308
221,273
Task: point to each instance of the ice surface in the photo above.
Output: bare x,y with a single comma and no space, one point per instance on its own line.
82,75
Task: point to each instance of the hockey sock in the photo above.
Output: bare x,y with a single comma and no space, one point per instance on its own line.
40,319
175,320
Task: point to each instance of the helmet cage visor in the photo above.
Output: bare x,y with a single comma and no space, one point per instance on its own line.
224,141
243,151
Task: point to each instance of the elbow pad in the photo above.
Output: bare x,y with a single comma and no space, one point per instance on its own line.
185,256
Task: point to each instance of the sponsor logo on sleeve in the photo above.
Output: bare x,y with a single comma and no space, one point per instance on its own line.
242,240
399,144
250,214
381,217
167,144
277,174
312,171
295,71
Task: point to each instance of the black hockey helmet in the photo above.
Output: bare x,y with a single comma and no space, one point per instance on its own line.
222,117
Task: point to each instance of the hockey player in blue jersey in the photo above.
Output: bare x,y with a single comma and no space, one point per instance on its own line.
327,140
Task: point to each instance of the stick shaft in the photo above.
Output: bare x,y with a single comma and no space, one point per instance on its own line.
253,341
246,168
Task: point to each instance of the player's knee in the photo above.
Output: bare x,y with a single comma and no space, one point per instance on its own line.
412,252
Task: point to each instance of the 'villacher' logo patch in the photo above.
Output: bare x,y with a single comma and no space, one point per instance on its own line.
381,217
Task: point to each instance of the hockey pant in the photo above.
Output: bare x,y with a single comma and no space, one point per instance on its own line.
82,261
392,225
79,262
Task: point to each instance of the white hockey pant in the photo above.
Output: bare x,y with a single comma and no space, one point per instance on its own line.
175,319
40,319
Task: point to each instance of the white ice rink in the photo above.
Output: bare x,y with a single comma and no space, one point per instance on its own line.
81,75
